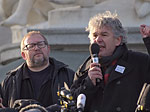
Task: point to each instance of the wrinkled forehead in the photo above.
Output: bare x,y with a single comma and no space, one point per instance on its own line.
33,39
103,28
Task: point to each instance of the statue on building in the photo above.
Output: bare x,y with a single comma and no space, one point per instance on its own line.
22,12
142,8
31,12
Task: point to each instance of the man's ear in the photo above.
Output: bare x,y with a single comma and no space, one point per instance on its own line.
118,41
23,55
49,48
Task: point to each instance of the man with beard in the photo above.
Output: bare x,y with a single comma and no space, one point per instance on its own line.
122,72
38,77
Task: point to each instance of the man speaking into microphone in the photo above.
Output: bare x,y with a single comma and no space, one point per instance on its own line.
121,73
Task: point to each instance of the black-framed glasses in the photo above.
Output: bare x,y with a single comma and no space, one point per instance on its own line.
32,46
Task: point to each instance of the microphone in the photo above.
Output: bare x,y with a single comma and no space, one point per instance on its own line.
144,99
81,102
94,51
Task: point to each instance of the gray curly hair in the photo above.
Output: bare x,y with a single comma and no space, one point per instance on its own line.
110,20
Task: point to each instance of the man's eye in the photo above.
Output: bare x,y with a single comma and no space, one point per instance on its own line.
95,35
104,35
40,44
30,46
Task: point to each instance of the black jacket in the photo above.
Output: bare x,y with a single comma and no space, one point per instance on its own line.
147,43
11,86
122,89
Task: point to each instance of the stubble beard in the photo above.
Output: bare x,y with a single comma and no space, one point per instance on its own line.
38,62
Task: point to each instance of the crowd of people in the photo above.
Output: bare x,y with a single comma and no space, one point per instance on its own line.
122,72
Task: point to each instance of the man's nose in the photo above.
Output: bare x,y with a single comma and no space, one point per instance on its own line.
98,39
36,47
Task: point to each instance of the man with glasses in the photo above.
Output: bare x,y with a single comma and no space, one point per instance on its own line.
38,77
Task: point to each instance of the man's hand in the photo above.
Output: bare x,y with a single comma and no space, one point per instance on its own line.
95,72
145,31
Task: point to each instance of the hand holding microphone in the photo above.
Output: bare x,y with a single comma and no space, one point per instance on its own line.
95,72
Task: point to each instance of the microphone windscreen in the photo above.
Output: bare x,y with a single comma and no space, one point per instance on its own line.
81,101
94,48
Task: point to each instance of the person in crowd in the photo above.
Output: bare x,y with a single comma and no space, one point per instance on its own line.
122,72
39,77
145,32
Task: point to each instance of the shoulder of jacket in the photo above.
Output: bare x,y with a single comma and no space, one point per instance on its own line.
134,56
58,64
13,71
84,66
62,68
137,54
11,75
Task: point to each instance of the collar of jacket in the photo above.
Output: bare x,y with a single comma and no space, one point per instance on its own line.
117,74
58,65
85,66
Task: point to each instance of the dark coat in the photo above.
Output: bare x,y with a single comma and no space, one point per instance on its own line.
122,90
147,44
11,86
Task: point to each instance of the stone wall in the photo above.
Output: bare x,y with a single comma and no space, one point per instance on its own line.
70,46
